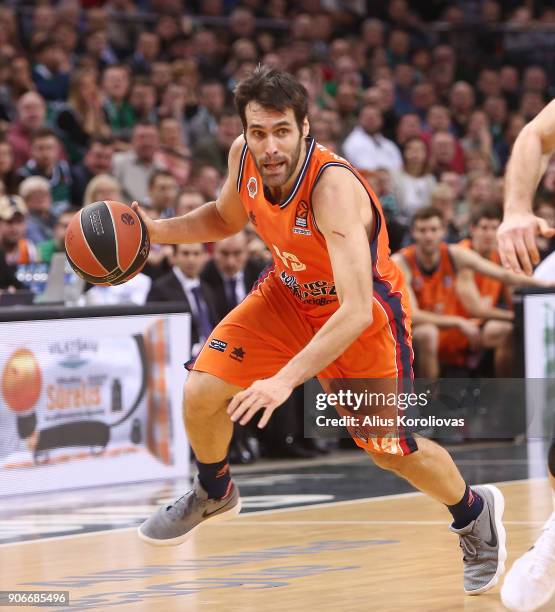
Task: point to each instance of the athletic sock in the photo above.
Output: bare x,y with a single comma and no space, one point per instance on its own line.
467,510
215,478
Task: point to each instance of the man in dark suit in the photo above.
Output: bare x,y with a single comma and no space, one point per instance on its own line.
183,284
231,274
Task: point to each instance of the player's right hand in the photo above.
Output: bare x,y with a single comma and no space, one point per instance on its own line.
471,331
151,224
516,238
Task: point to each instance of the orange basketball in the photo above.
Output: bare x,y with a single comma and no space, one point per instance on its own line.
107,243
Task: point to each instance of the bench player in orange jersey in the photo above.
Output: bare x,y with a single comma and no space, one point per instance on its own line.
334,306
443,295
497,329
530,583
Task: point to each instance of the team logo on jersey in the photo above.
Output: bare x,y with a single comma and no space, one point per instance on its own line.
301,214
252,187
301,220
448,281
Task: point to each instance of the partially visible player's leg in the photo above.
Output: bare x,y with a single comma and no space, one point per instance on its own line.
254,341
477,512
530,583
426,343
498,335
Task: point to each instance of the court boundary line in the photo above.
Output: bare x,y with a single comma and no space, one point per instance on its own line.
244,517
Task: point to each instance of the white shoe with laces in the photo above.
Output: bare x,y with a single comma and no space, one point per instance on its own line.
530,583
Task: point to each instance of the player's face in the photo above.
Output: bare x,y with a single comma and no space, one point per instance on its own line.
275,143
484,235
428,234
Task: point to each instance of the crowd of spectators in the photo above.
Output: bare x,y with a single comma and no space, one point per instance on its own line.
132,100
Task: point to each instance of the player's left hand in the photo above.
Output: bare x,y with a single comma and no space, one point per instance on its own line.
266,394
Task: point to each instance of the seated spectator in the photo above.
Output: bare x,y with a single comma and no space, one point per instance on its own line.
47,248
413,184
35,191
162,191
17,249
213,150
142,100
462,100
118,112
231,274
97,160
46,161
478,137
504,146
443,154
409,126
146,52
51,70
207,180
366,148
8,280
82,118
189,199
18,83
478,162
133,291
211,104
173,155
183,284
443,199
102,187
8,174
133,168
31,115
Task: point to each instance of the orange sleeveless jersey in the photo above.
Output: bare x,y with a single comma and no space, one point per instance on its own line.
435,292
299,250
487,286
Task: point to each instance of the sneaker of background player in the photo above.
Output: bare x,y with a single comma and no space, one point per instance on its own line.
483,543
175,523
530,583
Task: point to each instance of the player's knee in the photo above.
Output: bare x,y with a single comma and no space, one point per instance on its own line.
551,458
426,337
197,396
386,461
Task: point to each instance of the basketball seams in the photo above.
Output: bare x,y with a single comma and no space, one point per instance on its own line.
87,244
109,208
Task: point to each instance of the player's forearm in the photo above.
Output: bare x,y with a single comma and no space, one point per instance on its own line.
204,224
524,171
491,312
331,341
520,280
419,317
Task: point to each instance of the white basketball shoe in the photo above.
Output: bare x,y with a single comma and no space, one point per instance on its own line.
530,583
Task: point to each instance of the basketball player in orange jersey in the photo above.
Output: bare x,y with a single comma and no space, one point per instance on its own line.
334,306
443,296
531,581
496,300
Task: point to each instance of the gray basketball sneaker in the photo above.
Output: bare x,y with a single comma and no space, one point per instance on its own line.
483,543
174,524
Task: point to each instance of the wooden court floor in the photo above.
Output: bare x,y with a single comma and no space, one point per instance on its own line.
391,553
